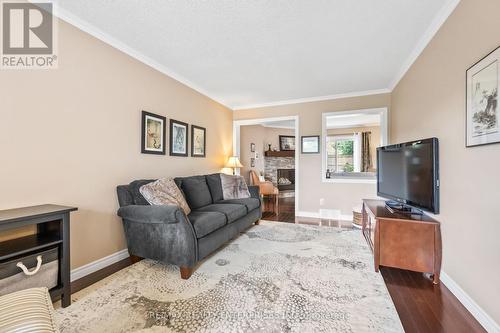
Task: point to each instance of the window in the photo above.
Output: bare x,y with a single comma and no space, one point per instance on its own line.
350,141
340,153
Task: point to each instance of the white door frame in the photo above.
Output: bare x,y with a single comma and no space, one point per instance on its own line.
236,144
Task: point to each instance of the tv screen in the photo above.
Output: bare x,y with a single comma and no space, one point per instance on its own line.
409,173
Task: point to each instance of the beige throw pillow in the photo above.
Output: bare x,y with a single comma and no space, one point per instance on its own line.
234,187
164,192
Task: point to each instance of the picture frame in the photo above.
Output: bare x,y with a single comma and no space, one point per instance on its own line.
153,133
309,144
252,147
287,142
198,141
482,125
252,162
178,138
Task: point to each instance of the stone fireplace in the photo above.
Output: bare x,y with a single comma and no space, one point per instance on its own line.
286,179
287,166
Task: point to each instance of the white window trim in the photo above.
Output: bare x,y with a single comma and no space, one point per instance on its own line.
383,138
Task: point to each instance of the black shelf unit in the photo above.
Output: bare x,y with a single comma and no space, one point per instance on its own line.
52,230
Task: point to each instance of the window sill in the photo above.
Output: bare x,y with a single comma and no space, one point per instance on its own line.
345,180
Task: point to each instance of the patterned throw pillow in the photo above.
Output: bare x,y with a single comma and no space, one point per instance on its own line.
28,310
234,187
164,191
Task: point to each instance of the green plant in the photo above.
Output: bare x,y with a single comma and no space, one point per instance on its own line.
348,167
345,147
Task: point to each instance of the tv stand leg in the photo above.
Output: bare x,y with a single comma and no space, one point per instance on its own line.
435,278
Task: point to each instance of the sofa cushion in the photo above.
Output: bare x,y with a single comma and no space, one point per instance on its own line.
196,190
249,203
134,188
234,187
206,222
28,310
215,186
164,192
232,211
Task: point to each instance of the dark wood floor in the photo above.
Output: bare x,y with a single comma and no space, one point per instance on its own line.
422,306
425,307
286,210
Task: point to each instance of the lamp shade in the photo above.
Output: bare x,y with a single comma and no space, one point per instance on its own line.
233,162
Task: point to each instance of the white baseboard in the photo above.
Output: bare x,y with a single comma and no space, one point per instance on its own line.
94,266
324,215
481,316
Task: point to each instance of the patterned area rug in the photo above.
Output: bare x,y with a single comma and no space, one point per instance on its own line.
275,277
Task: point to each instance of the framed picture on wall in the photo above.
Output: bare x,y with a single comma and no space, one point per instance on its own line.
287,142
252,162
482,115
310,144
252,147
178,138
153,133
198,141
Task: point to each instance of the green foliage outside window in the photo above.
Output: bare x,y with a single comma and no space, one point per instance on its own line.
348,167
345,147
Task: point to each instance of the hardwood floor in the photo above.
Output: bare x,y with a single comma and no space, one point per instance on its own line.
422,306
425,307
286,210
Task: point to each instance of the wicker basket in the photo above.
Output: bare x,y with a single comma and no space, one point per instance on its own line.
357,217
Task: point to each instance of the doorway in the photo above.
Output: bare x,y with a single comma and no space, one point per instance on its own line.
268,148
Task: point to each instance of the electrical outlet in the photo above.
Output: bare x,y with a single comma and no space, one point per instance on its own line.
321,201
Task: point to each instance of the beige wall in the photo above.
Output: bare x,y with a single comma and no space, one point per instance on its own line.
70,135
261,136
430,101
249,134
311,187
271,136
375,138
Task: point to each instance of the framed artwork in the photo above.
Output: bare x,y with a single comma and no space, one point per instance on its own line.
178,138
287,142
252,162
310,144
252,147
482,116
153,133
198,141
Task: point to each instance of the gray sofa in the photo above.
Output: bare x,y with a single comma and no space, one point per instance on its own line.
166,234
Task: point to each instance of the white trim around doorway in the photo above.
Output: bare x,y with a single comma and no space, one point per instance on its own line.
245,122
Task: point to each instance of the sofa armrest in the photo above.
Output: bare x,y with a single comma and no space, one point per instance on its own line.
254,191
165,214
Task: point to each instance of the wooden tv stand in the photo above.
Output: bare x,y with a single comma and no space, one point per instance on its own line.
411,242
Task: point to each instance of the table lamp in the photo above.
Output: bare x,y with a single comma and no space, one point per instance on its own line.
233,162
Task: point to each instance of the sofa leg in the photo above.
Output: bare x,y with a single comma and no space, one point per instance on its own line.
135,259
257,222
186,272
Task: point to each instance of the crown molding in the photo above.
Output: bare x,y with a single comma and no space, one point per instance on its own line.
431,31
313,99
92,30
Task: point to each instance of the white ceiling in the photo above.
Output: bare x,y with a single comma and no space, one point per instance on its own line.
246,53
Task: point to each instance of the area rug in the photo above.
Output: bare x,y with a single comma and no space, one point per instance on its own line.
275,277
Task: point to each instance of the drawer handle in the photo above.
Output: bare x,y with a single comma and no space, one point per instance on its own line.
33,272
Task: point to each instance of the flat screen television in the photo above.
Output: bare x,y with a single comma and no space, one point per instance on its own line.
408,173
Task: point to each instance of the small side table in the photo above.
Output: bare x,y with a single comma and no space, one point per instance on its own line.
52,225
